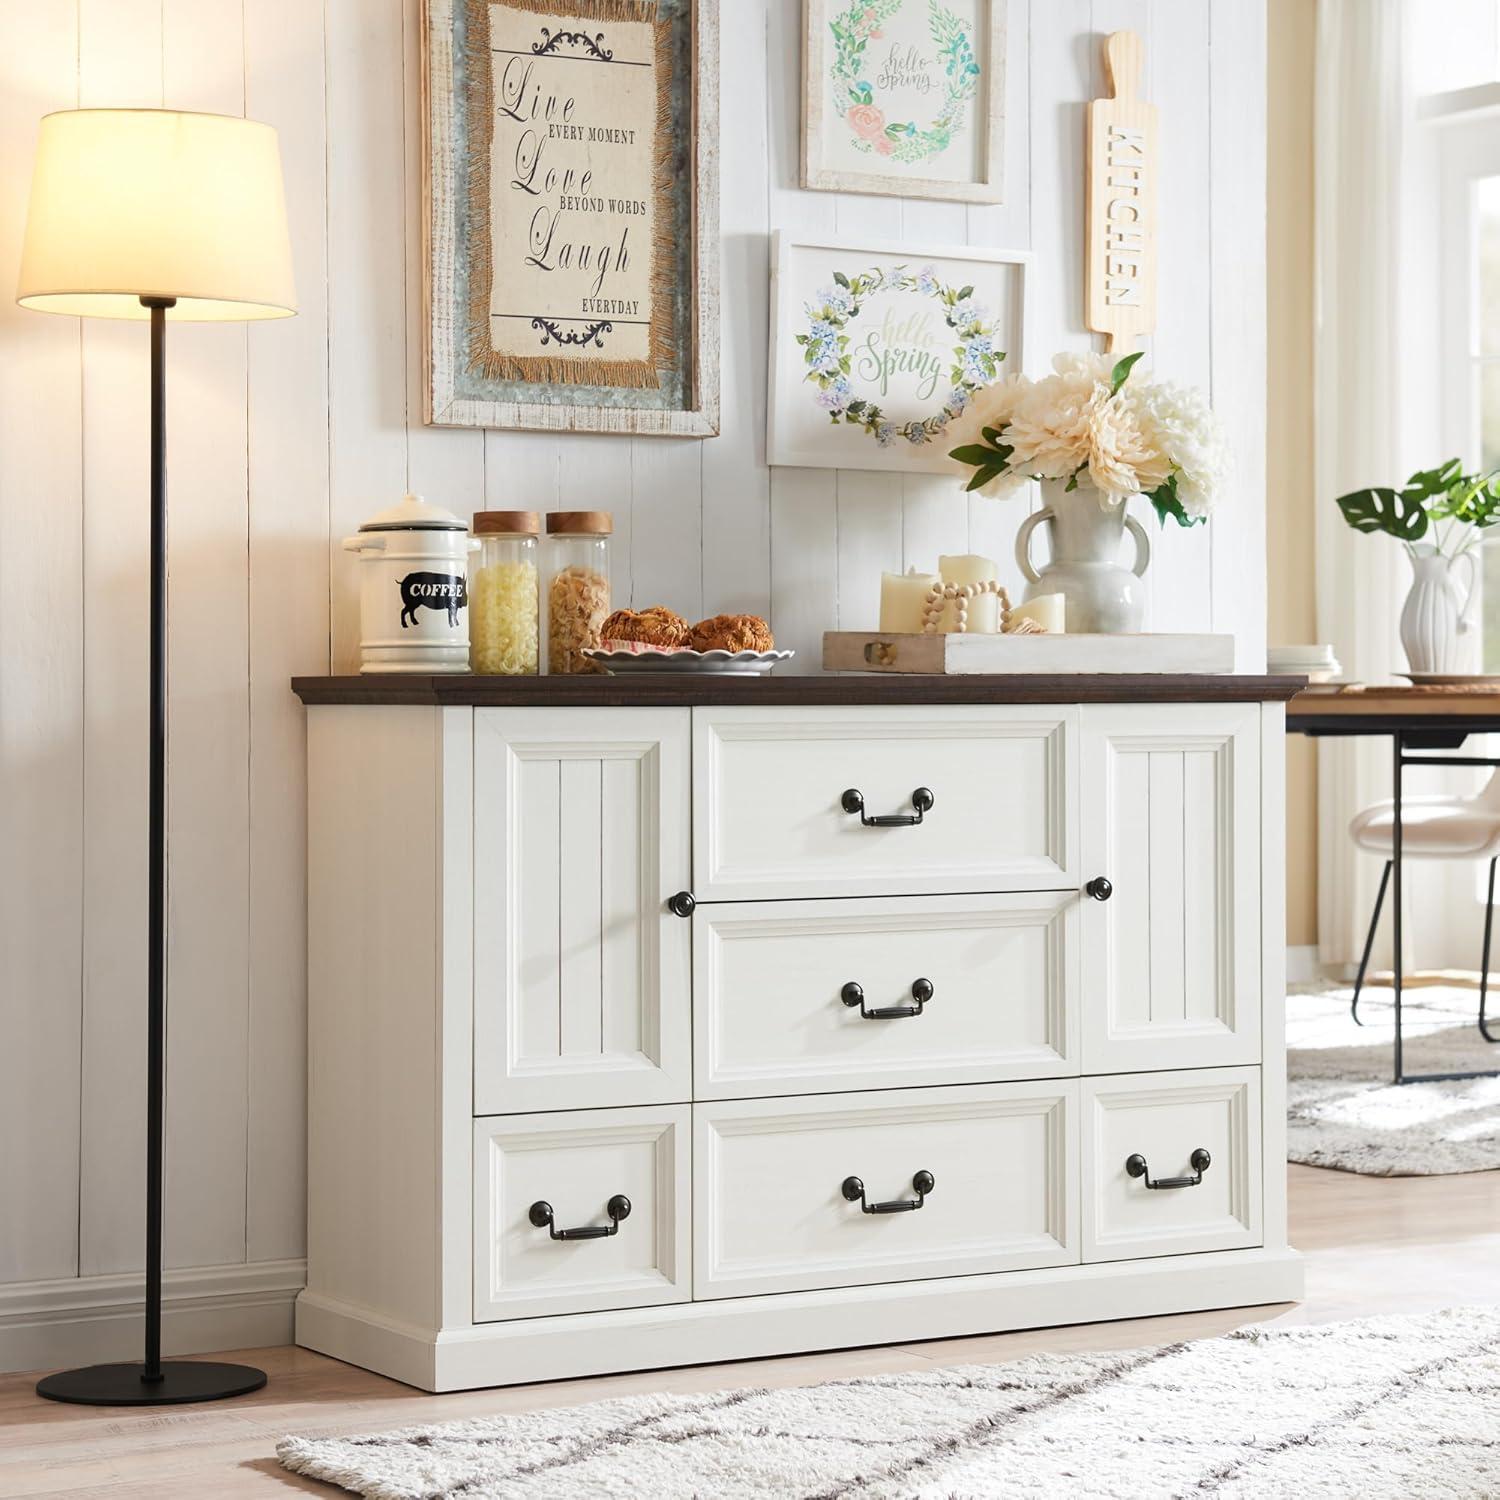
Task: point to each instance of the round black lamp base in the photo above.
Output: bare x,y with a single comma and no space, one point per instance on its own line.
182,1380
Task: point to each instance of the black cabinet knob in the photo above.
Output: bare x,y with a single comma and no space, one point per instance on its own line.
1099,888
683,904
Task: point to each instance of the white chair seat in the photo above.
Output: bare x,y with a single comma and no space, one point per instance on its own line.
1431,828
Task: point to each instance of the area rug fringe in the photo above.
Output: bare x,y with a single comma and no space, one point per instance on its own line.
1379,1409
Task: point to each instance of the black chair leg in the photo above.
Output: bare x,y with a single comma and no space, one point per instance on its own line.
1484,963
1364,962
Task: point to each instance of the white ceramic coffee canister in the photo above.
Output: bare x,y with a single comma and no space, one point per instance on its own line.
414,589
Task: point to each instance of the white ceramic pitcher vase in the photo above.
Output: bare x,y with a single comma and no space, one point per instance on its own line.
1436,614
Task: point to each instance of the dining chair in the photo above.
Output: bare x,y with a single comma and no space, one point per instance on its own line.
1434,827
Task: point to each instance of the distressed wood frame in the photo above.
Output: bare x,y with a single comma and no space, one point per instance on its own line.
444,185
989,189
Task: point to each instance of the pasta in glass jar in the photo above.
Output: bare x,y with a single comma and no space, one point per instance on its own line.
504,630
577,589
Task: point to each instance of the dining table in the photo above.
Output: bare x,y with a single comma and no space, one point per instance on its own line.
1426,723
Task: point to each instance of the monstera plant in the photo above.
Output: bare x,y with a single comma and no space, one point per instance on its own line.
1428,498
1439,516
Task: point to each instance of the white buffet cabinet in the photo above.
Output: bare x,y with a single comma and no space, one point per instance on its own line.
878,1082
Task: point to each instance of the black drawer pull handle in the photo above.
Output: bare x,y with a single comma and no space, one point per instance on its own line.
617,1208
854,1190
1099,888
683,904
853,801
1199,1161
921,991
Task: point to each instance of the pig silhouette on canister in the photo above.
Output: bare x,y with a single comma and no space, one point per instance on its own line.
446,592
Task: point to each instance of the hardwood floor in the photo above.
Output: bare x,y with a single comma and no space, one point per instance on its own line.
1373,1245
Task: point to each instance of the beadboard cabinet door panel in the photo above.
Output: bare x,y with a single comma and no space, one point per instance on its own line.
578,1167
1146,1188
581,975
1171,807
820,801
775,1209
788,994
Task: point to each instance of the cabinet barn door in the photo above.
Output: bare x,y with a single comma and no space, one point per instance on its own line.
581,974
1170,803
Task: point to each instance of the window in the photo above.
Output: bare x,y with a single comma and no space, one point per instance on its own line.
1484,379
1468,268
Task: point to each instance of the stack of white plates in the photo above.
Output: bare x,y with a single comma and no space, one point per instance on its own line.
1316,663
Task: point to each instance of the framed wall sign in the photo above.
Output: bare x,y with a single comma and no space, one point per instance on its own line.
877,351
905,97
572,215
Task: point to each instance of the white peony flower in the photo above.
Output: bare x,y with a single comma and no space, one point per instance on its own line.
1122,458
990,406
1177,423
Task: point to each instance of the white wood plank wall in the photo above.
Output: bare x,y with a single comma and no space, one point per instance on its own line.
284,437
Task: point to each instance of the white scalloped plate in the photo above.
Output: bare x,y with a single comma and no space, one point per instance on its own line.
740,663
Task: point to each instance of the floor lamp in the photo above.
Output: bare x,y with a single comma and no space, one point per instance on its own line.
146,213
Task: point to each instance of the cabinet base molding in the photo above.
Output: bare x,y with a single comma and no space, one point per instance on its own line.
689,1333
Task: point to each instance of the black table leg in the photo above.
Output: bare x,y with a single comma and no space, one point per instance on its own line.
1400,760
1418,739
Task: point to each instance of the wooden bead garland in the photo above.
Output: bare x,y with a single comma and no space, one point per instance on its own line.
940,595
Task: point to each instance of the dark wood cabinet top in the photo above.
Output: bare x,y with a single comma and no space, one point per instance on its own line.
822,689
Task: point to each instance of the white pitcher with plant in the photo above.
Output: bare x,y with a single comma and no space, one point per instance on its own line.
1439,517
1095,436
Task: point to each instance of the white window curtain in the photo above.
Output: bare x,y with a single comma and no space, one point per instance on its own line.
1361,125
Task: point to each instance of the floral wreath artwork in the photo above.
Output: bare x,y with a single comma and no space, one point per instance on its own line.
826,351
901,141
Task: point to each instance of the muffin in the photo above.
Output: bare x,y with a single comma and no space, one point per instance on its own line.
656,626
733,633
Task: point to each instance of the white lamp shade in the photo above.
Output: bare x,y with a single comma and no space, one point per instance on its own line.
127,203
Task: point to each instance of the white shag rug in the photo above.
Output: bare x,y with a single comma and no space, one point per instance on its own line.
1343,1111
1388,1409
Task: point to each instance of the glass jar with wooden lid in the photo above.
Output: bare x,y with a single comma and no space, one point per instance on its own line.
577,586
504,592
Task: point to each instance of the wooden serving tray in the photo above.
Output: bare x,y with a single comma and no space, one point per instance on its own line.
864,651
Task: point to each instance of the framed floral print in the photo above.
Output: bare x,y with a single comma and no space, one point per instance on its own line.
876,352
572,215
906,98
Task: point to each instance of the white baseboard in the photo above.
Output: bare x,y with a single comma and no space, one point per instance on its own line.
1302,966
49,1325
570,1345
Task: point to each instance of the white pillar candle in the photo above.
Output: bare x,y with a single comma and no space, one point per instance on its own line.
902,597
984,610
1048,611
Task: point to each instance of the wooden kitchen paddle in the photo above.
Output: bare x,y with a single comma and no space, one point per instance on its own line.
1120,227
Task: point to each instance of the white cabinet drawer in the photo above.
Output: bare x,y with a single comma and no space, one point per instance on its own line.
580,972
769,800
1147,1129
580,1165
776,1209
774,982
1171,804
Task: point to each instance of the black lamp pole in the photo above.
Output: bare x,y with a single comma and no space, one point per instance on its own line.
152,1383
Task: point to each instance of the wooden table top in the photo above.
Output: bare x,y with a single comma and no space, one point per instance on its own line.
1381,708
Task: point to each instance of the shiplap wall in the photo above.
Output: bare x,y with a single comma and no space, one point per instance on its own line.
283,437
